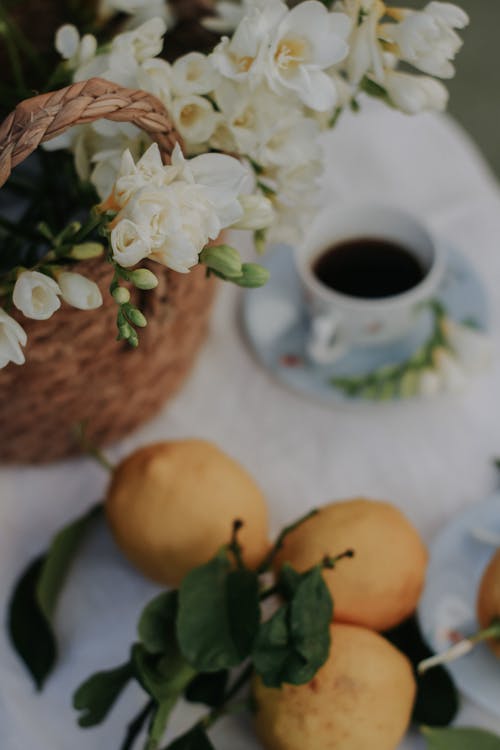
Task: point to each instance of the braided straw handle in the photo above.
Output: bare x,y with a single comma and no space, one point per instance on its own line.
45,116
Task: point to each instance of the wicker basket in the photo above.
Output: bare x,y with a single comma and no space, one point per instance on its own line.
75,370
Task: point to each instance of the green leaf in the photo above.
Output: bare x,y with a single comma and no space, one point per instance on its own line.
209,689
35,598
195,739
157,622
372,88
163,676
295,642
460,739
218,615
437,700
97,695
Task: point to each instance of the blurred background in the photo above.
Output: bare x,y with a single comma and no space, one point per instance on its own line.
475,91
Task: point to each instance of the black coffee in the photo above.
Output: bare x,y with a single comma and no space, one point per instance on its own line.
369,268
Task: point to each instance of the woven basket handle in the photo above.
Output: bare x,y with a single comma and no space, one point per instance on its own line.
45,116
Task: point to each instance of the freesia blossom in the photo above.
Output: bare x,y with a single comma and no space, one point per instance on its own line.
36,295
138,10
193,74
12,338
74,49
194,118
79,291
308,40
258,213
171,217
365,52
449,370
129,242
471,347
412,94
427,38
243,56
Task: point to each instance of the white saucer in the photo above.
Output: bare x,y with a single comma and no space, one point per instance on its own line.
276,325
458,560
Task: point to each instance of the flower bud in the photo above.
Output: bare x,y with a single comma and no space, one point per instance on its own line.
223,259
12,338
258,212
254,276
121,295
36,295
79,291
86,250
143,278
125,330
136,317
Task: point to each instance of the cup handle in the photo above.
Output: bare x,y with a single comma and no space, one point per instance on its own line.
324,345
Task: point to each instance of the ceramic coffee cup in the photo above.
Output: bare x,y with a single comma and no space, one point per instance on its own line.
341,321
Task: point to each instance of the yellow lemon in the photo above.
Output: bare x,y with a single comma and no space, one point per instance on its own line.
361,698
381,585
488,602
171,506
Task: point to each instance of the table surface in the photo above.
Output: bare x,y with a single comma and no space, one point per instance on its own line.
431,458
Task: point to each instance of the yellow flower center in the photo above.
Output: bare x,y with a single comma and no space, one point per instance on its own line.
243,64
290,53
188,114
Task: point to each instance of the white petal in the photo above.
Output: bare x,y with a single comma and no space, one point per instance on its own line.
449,13
67,40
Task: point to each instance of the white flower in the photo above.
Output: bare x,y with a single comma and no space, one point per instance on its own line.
472,348
12,338
139,10
144,42
413,94
258,213
449,369
242,57
36,295
154,75
73,49
228,15
194,74
365,52
171,217
195,118
130,243
308,40
149,170
79,291
427,39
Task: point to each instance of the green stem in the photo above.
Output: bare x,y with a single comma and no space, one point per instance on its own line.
462,648
225,710
269,558
136,725
92,450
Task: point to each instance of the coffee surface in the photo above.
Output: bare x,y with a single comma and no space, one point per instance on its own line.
369,268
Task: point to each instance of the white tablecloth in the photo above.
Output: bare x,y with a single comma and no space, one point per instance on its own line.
430,458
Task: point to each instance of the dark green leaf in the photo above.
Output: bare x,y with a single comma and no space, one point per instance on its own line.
97,695
29,630
195,739
218,615
157,622
208,689
372,88
288,581
437,698
35,598
460,739
162,676
295,642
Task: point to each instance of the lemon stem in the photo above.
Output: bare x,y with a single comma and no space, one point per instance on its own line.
462,648
269,559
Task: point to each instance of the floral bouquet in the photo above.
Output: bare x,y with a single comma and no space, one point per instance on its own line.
147,161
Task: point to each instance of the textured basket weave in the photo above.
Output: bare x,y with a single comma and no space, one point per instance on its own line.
75,370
